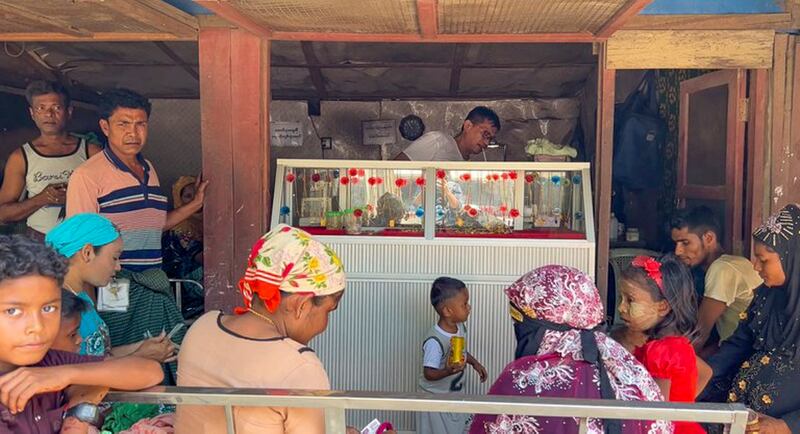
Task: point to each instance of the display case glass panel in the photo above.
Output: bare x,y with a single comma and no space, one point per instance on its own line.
537,203
462,200
355,201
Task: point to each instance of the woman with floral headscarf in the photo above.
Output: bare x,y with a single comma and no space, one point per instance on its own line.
291,285
556,311
759,365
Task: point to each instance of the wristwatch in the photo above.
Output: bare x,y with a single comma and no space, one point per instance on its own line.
85,412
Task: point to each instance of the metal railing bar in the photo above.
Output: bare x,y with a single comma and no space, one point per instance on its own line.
229,420
335,421
455,403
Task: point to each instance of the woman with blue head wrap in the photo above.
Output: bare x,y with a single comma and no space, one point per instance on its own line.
93,246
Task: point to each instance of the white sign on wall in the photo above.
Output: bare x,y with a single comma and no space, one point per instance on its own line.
381,132
286,134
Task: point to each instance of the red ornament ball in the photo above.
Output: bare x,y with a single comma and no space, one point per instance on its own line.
358,212
353,172
361,172
466,177
504,176
529,178
372,180
495,177
514,213
472,212
420,181
441,174
512,176
503,208
380,180
400,182
344,180
290,177
315,177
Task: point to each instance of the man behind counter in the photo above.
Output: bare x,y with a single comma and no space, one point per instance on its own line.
478,129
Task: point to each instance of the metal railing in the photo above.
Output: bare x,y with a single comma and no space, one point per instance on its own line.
335,403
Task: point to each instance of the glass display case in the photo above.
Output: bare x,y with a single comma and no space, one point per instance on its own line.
434,199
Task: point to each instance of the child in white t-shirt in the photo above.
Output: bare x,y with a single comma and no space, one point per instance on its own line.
450,298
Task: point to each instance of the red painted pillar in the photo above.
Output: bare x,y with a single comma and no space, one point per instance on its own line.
234,105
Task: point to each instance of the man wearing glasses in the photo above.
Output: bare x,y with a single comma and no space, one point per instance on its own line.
478,129
35,178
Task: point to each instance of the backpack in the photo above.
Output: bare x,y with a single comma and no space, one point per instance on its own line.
639,137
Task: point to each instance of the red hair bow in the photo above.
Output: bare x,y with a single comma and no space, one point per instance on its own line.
651,267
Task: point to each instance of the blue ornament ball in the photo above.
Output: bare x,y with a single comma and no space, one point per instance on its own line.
576,179
555,179
420,212
284,210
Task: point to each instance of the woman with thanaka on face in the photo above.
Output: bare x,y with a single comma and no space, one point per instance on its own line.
659,308
93,245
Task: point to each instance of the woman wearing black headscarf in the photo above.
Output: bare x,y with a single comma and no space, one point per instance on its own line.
759,365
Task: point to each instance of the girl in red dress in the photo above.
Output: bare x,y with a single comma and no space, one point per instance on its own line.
659,308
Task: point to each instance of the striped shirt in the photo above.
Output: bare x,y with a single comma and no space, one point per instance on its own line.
106,186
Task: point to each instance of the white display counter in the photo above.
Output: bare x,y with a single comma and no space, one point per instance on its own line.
502,227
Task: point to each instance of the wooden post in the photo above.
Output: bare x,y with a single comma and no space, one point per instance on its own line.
784,149
234,102
602,165
756,190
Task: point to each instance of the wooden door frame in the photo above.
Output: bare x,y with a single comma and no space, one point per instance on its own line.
757,97
732,194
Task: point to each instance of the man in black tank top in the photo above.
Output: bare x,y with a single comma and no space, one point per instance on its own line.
24,193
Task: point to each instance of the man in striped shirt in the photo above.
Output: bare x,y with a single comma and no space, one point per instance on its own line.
123,186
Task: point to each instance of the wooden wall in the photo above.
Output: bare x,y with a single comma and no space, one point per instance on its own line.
783,153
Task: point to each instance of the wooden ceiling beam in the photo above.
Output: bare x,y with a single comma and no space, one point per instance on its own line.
48,23
625,13
424,65
224,10
48,72
155,13
314,70
169,52
95,37
710,22
451,38
459,51
400,96
428,17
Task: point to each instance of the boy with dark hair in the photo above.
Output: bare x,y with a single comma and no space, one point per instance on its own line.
478,129
450,298
728,280
123,186
34,184
69,335
35,380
